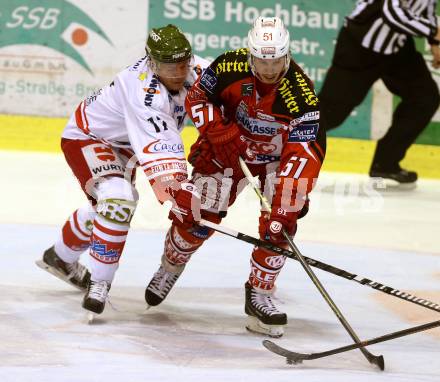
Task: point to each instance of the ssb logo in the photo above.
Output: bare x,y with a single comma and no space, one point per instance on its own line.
190,9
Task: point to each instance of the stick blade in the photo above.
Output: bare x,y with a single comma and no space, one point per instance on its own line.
379,361
292,358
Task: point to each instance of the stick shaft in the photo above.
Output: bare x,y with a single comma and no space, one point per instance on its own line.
376,340
369,356
325,267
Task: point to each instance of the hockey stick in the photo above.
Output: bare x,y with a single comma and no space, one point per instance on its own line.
377,360
323,266
295,358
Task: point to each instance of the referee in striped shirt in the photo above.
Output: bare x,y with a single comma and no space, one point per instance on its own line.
376,42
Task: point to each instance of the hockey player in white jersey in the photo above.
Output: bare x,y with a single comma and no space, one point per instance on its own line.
134,121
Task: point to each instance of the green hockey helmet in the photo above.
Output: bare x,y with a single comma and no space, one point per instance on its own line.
168,44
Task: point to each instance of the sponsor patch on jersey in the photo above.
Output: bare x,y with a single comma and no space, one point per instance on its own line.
228,66
262,147
266,117
312,116
160,146
142,76
304,133
308,94
152,90
159,168
267,158
136,65
102,161
198,69
247,89
287,92
208,81
255,126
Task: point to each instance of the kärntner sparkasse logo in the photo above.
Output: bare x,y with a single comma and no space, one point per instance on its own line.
43,22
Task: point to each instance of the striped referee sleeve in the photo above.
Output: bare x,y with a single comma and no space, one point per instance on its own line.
432,13
406,21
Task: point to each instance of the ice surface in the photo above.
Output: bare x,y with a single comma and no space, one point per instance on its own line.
198,333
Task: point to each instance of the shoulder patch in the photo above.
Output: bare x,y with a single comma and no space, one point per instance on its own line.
208,80
311,116
304,133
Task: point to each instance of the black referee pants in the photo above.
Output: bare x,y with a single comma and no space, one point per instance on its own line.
354,70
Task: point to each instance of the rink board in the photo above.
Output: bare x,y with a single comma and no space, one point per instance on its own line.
344,155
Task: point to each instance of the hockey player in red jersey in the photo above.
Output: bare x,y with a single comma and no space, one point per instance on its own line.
256,103
134,121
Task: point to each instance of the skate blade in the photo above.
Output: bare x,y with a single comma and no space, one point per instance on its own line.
389,185
90,318
58,275
253,324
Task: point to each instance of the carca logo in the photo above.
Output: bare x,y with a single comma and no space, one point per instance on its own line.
44,23
159,146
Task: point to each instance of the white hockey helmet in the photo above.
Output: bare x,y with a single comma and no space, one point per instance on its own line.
268,38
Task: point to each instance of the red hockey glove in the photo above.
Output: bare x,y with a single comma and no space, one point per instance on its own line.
201,158
186,206
272,226
228,145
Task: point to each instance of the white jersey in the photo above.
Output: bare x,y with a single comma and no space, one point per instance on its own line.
137,112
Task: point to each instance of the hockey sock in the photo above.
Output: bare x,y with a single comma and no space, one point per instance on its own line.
181,244
106,246
75,235
265,267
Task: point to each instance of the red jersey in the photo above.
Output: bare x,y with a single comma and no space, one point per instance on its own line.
280,123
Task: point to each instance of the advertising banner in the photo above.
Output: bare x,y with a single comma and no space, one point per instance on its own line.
215,26
53,53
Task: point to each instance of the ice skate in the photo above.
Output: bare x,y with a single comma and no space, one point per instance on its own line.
263,316
398,176
162,282
95,298
75,273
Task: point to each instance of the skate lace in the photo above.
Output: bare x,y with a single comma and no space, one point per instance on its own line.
264,303
163,281
98,290
76,271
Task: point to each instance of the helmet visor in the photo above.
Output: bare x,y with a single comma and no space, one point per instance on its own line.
172,70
